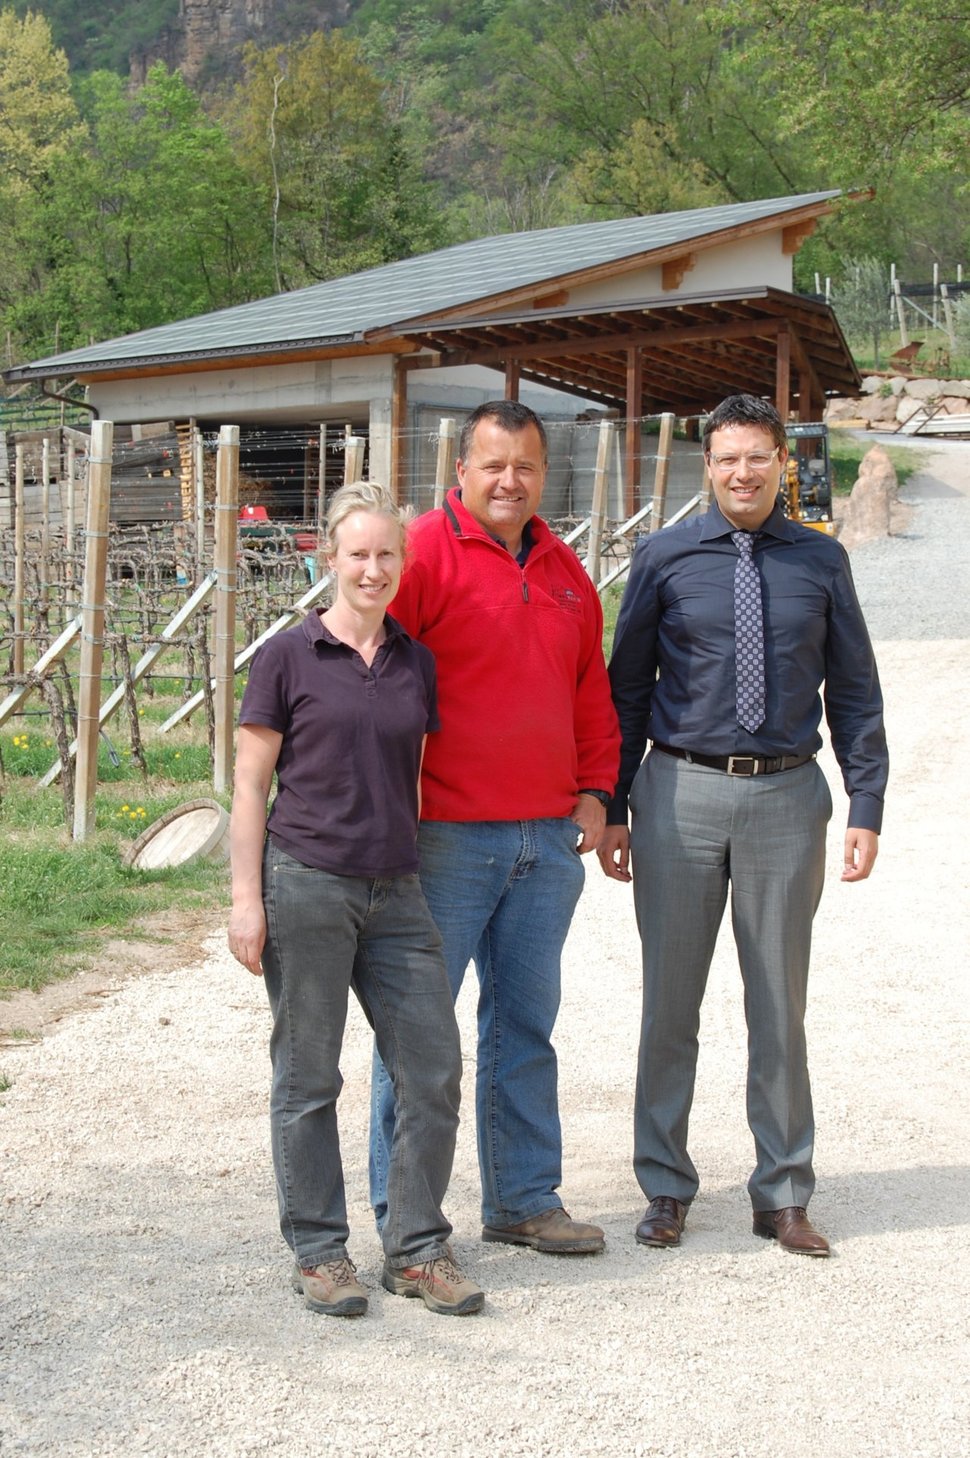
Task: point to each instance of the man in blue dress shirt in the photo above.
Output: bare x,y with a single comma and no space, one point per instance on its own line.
716,805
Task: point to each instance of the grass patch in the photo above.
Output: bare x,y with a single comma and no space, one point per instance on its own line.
847,453
60,901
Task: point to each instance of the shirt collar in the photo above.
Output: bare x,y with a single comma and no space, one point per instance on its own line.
316,631
716,525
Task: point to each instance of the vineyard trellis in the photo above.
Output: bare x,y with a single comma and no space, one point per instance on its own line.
96,616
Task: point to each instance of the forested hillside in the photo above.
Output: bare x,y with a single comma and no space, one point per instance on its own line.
300,140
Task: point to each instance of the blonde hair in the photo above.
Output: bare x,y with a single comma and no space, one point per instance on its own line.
368,496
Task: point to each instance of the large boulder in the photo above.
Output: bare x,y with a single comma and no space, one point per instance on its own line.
878,410
924,389
906,408
869,512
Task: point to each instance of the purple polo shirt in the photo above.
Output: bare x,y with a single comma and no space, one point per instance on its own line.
347,774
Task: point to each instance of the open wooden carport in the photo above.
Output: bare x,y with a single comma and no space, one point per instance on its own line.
681,356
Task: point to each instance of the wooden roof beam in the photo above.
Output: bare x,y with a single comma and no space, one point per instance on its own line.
741,329
673,271
795,234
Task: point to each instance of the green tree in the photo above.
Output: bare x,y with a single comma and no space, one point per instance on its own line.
331,170
143,219
39,127
862,302
876,93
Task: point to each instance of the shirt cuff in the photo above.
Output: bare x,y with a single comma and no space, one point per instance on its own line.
865,813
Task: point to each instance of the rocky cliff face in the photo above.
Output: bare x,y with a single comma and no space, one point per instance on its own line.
207,36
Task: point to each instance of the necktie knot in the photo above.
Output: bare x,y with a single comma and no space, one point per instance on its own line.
744,541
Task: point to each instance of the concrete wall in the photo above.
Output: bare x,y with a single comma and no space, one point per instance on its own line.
305,392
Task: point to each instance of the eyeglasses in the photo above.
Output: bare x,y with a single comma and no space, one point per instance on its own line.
756,460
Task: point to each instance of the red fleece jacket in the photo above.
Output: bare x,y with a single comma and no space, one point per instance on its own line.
526,714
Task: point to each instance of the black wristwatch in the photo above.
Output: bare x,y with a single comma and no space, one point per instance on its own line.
599,795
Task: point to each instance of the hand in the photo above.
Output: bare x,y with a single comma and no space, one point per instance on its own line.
614,853
590,816
861,849
247,936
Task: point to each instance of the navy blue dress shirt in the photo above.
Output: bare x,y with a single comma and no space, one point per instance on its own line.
673,669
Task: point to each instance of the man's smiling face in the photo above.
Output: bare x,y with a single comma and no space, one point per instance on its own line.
747,480
502,478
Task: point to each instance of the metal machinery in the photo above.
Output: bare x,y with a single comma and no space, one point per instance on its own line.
806,487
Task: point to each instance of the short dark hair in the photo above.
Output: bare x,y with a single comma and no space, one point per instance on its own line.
510,415
745,410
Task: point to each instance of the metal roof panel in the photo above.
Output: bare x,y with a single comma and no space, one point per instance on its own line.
341,310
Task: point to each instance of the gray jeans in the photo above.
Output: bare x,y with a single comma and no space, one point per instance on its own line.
327,934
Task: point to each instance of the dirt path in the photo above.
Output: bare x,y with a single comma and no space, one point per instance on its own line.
144,1302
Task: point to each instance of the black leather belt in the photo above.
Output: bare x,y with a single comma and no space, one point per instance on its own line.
738,764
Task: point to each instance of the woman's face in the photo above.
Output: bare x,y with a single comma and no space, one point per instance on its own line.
368,560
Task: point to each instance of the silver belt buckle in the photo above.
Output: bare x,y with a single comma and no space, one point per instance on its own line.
739,759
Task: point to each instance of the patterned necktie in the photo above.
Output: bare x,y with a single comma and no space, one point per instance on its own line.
749,635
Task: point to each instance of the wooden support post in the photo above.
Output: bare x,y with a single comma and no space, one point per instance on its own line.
634,406
512,372
92,632
900,313
399,416
444,470
321,512
783,372
227,514
45,517
198,479
18,566
597,512
308,510
948,316
69,502
658,511
353,458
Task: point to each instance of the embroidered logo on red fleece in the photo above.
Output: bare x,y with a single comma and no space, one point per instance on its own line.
568,598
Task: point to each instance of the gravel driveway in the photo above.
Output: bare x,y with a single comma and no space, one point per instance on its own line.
145,1305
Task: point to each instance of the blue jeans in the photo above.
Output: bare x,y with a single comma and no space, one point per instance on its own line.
503,893
325,935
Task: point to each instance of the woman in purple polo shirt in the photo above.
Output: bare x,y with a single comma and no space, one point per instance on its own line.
326,898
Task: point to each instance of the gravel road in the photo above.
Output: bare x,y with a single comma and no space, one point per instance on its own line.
145,1305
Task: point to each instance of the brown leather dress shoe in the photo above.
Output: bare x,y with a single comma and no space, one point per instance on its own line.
792,1229
552,1232
663,1222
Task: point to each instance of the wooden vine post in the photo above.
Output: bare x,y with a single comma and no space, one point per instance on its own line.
92,626
227,513
658,509
18,567
597,515
444,471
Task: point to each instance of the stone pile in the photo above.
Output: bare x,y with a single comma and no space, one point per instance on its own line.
890,401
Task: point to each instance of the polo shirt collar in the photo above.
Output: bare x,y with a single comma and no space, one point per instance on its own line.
316,631
716,525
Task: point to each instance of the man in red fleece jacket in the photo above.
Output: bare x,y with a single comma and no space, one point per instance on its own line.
514,790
